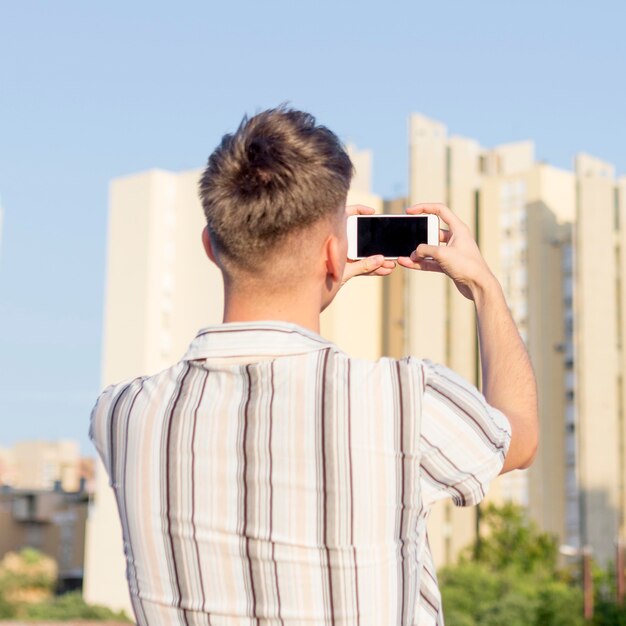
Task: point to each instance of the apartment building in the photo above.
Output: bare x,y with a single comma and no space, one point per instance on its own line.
555,239
599,249
52,521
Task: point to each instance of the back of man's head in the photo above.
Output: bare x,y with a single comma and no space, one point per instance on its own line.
277,175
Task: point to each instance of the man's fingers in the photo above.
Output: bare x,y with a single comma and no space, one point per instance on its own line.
426,265
424,250
429,265
371,263
359,209
436,208
383,271
444,235
365,266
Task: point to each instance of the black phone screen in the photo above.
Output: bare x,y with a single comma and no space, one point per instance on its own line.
390,236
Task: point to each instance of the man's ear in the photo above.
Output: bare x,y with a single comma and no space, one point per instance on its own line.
208,246
335,261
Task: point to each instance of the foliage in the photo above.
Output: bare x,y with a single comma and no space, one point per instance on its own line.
69,606
474,594
514,541
606,610
27,575
608,613
560,604
27,582
510,576
7,609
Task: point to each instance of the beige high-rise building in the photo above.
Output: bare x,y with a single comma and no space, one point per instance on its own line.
598,353
160,290
555,239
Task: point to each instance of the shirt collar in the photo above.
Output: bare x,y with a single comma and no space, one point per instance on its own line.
264,339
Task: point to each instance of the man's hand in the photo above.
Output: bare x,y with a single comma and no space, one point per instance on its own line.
507,374
459,258
375,265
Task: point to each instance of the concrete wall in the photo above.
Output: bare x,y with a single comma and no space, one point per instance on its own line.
597,368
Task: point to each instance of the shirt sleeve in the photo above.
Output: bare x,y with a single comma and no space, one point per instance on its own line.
102,419
98,427
463,440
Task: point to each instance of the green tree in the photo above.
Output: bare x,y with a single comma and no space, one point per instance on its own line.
69,606
514,541
606,610
7,609
27,575
27,583
510,577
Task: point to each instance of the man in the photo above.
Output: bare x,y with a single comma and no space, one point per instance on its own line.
269,478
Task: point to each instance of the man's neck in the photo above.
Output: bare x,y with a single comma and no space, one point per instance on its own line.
300,308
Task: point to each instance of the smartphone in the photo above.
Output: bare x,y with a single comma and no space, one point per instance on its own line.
390,235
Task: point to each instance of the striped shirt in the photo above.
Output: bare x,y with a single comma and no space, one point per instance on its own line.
268,478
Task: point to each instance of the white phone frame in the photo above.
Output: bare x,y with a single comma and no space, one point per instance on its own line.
433,231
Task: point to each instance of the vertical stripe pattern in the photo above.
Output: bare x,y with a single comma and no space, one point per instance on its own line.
269,479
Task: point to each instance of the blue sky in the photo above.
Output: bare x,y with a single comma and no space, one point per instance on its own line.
90,91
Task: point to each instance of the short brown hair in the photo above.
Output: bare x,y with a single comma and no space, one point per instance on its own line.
278,173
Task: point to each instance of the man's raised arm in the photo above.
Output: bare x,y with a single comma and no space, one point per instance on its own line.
508,379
